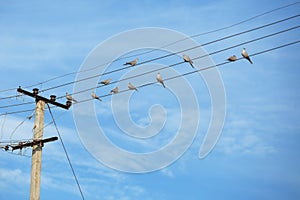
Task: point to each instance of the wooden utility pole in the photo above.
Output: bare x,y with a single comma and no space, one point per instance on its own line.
36,160
38,142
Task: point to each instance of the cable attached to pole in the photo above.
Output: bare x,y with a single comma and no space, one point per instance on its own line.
65,150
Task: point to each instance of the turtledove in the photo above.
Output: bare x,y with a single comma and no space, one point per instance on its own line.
132,63
115,90
132,87
245,55
159,79
70,98
106,82
95,96
232,58
188,59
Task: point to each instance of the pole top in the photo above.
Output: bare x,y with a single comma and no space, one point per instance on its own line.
68,104
52,98
35,91
37,97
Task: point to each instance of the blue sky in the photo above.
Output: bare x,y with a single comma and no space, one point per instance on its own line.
257,155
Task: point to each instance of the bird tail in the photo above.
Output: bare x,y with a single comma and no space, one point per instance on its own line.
248,58
250,61
163,84
192,65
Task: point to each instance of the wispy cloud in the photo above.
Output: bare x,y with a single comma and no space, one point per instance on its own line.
14,181
167,172
245,144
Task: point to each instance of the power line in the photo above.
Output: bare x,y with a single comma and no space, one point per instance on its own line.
202,69
220,29
16,112
172,65
14,105
15,141
20,124
21,111
29,117
193,36
171,54
225,49
66,153
220,64
51,122
10,97
247,20
223,38
15,154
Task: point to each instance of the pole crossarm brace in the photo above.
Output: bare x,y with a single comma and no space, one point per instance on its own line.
21,145
52,99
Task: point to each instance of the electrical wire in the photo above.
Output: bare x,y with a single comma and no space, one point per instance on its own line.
214,41
11,143
10,97
19,104
172,54
202,69
220,39
199,70
51,122
193,36
241,22
215,52
16,112
18,154
220,29
178,63
66,153
14,142
20,124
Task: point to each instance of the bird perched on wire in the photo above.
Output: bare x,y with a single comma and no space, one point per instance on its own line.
159,79
132,87
245,55
188,59
95,96
132,63
115,90
232,58
70,98
105,82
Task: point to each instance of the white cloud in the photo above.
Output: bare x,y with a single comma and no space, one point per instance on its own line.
245,144
243,134
167,172
16,175
14,180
